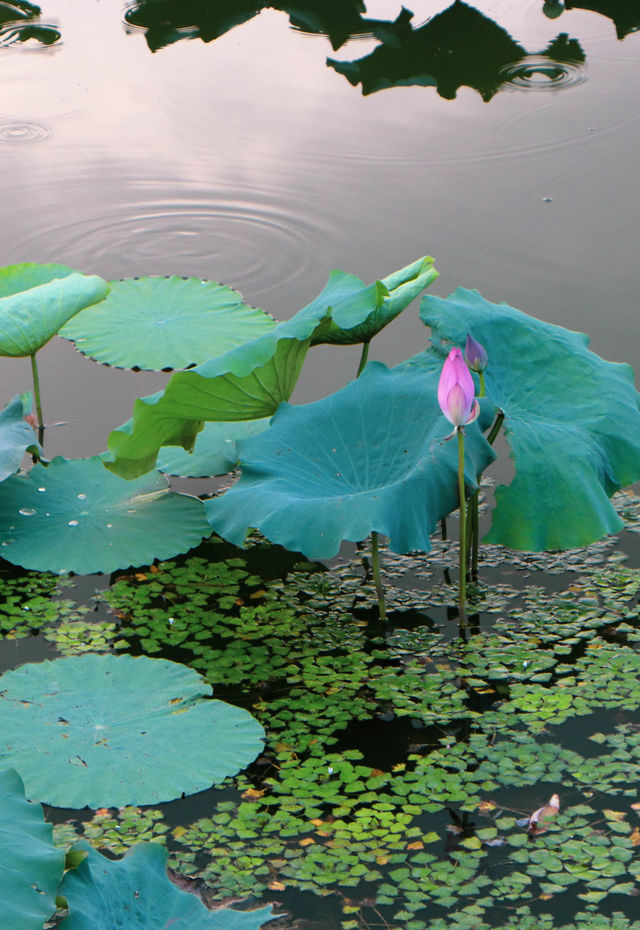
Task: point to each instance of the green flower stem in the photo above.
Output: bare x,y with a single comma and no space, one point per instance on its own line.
375,567
472,515
363,358
481,380
462,582
36,390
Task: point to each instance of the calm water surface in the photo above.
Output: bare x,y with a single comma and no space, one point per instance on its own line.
248,159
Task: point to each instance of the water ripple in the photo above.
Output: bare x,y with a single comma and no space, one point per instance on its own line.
20,131
541,73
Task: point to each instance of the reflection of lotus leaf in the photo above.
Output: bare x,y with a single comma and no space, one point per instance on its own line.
106,731
135,893
572,420
154,323
372,456
73,516
457,47
30,865
624,13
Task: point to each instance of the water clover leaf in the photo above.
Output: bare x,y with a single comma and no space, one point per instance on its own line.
158,322
37,300
135,892
248,382
73,516
106,731
16,436
372,456
572,420
30,865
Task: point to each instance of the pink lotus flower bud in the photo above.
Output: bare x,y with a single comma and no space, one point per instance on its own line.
456,391
475,355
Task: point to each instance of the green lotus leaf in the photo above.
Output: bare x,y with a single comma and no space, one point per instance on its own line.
572,421
154,323
73,516
107,731
135,892
30,865
372,456
215,451
16,436
37,300
363,312
248,383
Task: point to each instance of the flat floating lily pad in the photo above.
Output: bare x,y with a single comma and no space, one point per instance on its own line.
30,865
135,892
75,516
154,323
106,731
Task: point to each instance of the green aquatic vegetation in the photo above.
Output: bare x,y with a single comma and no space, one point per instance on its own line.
114,830
172,322
30,866
68,728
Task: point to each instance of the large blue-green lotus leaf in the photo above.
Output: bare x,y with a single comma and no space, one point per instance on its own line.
165,323
372,456
363,311
572,421
215,451
37,300
73,516
30,866
111,730
135,893
248,383
16,436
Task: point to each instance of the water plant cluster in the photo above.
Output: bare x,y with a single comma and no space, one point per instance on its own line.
309,666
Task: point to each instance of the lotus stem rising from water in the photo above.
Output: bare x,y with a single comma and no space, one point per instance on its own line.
456,396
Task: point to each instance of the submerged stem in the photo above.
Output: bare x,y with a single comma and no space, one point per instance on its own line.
375,567
462,582
363,358
36,391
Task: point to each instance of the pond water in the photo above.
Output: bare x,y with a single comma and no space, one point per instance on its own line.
262,146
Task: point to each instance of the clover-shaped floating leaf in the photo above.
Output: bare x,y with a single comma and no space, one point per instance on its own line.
215,451
135,892
572,421
248,383
16,436
73,516
372,456
30,865
154,323
36,300
106,730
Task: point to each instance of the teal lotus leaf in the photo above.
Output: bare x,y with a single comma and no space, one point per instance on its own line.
154,323
248,383
372,456
107,731
73,516
37,300
16,436
136,893
30,866
572,421
215,451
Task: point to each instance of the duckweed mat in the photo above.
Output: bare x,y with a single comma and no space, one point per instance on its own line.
403,760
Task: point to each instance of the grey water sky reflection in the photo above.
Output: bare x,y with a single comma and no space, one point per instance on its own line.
248,160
